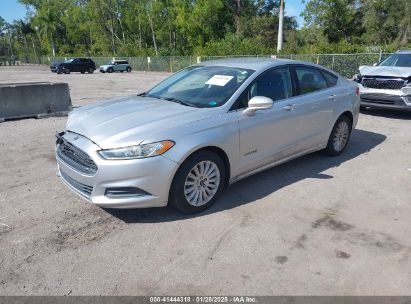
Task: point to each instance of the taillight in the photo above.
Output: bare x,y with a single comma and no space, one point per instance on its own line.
357,91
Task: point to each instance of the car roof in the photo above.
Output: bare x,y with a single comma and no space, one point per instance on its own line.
255,63
404,52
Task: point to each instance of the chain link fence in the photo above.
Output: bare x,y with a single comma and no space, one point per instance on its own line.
345,64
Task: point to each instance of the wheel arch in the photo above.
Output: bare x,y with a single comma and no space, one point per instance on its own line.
349,115
217,150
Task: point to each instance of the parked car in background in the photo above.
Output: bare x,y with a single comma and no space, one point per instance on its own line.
388,83
81,65
116,66
202,128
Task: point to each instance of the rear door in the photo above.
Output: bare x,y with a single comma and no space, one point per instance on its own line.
316,102
75,65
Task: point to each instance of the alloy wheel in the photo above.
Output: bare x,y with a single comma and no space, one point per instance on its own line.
341,136
202,183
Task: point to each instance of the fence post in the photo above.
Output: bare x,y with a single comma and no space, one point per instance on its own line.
148,63
318,58
379,59
332,66
171,64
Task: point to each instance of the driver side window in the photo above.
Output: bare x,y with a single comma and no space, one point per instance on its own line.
275,84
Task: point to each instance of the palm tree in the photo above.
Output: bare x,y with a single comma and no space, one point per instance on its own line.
24,29
48,26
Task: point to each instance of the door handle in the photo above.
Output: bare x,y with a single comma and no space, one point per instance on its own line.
332,96
288,108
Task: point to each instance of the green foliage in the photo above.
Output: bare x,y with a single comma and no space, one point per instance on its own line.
202,27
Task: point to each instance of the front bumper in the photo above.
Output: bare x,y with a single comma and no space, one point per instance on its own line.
151,175
388,99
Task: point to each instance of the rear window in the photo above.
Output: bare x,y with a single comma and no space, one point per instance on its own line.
122,62
310,79
330,78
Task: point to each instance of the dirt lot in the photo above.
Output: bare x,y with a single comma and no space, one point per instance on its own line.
314,226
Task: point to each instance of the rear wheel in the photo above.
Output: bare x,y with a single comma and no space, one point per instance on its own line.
83,72
339,136
128,69
198,182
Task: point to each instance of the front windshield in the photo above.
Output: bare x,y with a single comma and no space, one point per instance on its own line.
201,86
68,60
110,63
397,60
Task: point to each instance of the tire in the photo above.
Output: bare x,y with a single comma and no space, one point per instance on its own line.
181,191
339,137
59,72
83,72
128,69
110,70
90,70
66,71
363,108
121,71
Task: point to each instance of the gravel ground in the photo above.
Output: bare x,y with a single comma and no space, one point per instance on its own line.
313,226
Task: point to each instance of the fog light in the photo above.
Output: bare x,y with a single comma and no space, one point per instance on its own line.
125,192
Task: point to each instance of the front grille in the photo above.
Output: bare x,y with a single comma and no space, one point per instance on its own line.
84,189
76,158
383,83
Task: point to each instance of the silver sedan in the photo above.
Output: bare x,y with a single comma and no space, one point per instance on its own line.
203,128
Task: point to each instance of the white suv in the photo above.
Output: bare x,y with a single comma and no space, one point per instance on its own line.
387,84
116,66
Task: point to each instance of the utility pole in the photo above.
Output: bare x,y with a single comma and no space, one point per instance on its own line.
280,27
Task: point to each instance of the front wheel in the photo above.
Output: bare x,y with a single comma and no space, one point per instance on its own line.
128,69
110,70
90,70
198,182
66,71
339,136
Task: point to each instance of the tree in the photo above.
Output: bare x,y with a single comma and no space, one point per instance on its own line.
338,19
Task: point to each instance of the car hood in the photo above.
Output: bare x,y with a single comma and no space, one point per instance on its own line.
130,120
389,71
105,66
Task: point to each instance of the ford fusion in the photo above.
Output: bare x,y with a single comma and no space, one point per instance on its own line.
203,128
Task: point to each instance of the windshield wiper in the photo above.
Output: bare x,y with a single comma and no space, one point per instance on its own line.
179,101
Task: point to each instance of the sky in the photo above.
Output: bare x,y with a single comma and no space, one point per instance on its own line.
12,10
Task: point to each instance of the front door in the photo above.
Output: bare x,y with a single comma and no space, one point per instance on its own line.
268,135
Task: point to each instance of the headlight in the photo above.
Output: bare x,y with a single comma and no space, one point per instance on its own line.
140,151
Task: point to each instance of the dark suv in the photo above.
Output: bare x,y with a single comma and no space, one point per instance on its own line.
81,65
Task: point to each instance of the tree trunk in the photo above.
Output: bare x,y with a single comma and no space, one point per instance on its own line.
26,48
153,34
140,38
237,16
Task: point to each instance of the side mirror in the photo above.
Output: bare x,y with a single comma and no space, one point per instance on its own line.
258,103
375,64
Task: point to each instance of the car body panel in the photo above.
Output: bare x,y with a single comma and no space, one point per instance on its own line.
250,142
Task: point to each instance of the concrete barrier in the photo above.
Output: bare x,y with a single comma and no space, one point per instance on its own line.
34,99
